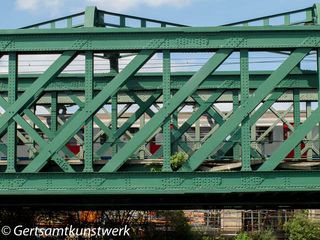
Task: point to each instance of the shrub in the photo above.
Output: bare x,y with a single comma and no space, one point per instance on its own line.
264,235
242,236
177,160
300,227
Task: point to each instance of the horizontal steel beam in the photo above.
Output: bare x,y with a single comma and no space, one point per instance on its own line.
127,183
186,38
153,81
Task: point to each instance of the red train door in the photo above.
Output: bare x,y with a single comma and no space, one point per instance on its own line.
286,134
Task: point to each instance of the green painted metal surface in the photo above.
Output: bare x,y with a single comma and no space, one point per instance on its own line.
113,130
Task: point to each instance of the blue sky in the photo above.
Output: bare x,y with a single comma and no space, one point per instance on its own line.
18,13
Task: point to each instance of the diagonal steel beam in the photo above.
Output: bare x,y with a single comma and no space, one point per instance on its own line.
46,131
294,139
91,107
266,132
123,110
31,95
32,132
185,91
133,118
101,125
219,118
313,148
282,118
140,103
245,109
203,107
253,119
40,125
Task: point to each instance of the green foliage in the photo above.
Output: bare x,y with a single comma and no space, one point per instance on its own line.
300,227
177,160
155,168
177,226
242,236
264,235
214,238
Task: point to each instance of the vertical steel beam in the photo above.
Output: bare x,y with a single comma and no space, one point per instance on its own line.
316,13
254,143
54,111
175,125
309,144
92,18
296,116
142,150
114,122
236,148
166,125
245,125
318,72
287,19
88,129
69,22
114,69
197,131
12,128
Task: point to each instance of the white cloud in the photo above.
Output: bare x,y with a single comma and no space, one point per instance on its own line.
124,5
27,5
53,6
37,5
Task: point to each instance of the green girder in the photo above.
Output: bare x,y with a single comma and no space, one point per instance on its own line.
127,183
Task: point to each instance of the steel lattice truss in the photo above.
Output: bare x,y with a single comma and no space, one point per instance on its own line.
123,163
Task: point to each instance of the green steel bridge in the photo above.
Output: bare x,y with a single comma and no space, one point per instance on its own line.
150,72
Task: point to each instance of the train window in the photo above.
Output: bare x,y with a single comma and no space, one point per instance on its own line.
24,134
103,138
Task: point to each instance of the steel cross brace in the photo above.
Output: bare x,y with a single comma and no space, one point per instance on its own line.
144,107
26,126
203,106
213,63
81,105
32,133
294,139
245,109
41,126
123,110
253,119
61,122
313,148
284,120
219,119
91,107
266,132
31,95
216,116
